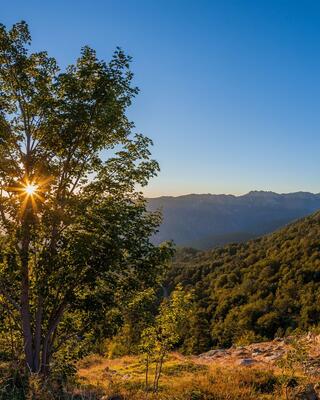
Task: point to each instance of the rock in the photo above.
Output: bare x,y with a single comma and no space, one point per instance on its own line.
241,353
220,354
307,393
212,353
209,353
275,356
246,362
217,353
257,350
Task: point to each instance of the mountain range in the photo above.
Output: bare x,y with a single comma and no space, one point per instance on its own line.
205,221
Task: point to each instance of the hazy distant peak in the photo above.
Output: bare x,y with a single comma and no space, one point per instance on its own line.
207,220
262,193
252,193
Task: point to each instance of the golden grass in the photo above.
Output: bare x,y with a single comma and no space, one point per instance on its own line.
183,379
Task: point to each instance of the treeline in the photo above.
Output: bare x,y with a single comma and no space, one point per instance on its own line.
254,291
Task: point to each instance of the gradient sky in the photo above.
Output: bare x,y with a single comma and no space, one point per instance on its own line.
229,89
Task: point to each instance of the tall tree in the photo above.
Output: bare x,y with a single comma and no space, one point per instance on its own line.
72,220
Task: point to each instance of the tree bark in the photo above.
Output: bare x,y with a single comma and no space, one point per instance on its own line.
47,341
25,301
147,373
158,373
37,335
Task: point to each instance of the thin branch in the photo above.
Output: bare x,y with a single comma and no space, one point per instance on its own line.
9,298
17,322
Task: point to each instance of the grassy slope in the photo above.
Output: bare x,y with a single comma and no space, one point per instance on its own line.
205,378
182,378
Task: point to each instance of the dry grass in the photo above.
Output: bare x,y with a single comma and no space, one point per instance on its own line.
182,379
205,378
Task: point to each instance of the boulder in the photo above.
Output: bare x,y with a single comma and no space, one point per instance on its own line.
307,393
213,353
246,362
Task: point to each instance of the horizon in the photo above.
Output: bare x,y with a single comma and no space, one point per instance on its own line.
228,89
234,195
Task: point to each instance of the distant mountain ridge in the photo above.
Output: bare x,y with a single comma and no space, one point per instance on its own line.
204,221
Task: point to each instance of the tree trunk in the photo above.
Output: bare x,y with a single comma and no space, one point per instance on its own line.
158,373
24,299
37,335
147,373
48,339
155,376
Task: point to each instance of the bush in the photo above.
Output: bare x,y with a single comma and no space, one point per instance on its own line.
247,338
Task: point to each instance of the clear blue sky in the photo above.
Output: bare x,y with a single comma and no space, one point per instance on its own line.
230,90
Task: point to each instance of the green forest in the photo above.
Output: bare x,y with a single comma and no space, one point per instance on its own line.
265,288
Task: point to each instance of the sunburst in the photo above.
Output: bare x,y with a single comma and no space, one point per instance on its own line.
30,191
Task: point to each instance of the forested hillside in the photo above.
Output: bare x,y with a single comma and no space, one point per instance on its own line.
260,289
204,221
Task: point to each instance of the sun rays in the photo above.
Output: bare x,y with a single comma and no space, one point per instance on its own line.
31,192
31,189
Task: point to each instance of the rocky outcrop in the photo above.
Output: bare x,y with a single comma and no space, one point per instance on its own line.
265,352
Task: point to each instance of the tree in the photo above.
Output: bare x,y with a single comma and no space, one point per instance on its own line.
161,337
74,228
137,315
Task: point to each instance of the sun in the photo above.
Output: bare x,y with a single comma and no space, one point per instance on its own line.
30,189
30,192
